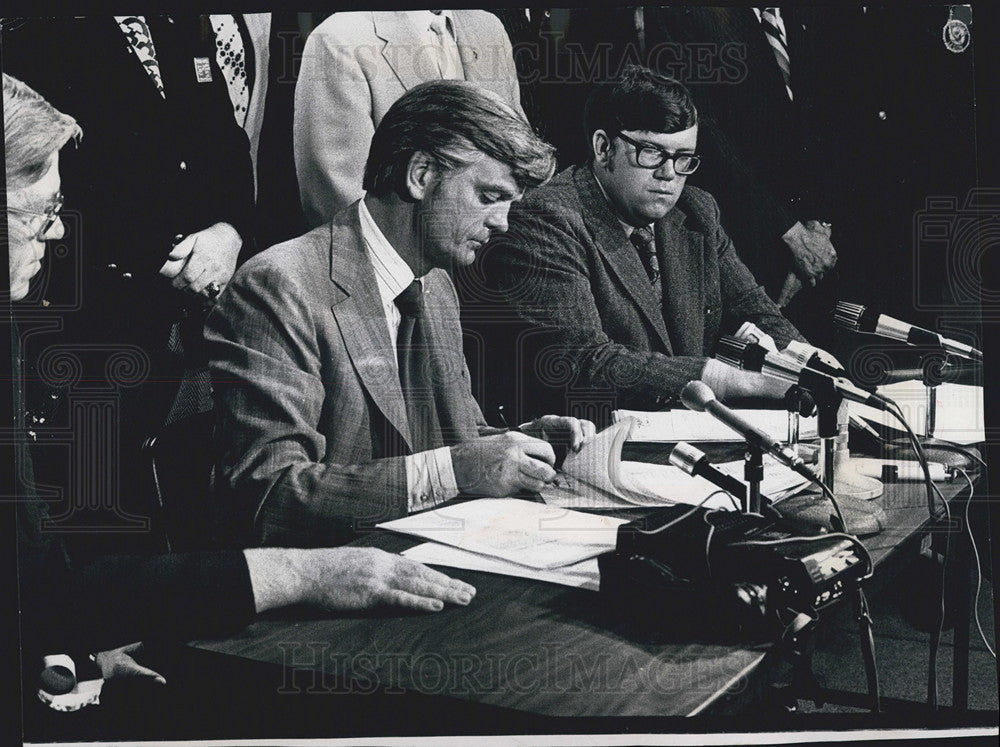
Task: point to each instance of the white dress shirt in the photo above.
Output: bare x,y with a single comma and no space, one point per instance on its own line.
430,476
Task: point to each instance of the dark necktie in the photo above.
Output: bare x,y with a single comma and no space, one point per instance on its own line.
415,376
769,21
645,244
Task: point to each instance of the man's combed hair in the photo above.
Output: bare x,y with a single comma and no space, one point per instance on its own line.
34,131
639,100
451,121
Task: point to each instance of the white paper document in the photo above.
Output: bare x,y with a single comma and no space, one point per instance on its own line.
664,484
596,477
959,410
582,575
671,426
523,532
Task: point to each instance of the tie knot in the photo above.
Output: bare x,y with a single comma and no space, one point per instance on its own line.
642,239
410,301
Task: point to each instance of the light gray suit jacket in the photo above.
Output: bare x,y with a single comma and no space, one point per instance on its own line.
312,426
354,67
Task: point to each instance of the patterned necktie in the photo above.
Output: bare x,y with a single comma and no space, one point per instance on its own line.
415,378
231,56
449,63
645,243
769,20
141,42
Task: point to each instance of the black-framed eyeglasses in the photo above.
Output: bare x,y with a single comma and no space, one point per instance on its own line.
51,215
649,156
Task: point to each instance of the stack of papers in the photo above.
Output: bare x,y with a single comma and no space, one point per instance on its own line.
513,537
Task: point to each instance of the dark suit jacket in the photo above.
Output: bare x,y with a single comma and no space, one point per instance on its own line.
762,154
568,268
763,160
77,605
147,169
312,422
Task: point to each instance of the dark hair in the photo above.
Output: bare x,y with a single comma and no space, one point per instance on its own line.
639,100
452,120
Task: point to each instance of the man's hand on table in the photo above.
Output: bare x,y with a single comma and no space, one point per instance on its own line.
349,578
523,460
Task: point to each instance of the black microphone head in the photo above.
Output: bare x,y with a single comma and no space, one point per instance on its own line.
855,317
696,395
741,353
848,315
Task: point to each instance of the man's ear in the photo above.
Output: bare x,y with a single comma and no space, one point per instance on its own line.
600,144
421,173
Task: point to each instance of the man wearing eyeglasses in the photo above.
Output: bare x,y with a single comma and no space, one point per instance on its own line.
624,277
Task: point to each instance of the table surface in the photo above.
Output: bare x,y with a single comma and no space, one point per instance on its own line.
533,646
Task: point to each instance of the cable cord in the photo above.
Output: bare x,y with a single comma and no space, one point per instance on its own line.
979,566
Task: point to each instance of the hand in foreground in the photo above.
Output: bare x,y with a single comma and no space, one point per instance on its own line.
118,663
560,429
812,252
349,578
202,259
503,464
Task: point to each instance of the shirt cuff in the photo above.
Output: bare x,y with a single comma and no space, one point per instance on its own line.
430,479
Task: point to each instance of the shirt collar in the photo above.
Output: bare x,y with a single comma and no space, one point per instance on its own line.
628,227
392,274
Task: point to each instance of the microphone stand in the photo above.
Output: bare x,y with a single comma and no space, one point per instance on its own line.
753,473
832,428
932,376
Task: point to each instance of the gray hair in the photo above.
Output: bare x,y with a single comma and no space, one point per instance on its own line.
452,121
34,131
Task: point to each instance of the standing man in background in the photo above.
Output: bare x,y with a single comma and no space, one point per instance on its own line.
355,65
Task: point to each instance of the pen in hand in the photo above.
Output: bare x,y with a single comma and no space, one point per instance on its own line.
558,442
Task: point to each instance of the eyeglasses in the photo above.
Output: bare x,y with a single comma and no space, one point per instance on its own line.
51,215
648,156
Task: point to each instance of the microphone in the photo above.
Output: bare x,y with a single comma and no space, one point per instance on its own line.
859,318
752,357
698,396
694,461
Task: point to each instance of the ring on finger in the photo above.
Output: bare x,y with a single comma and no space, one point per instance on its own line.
213,289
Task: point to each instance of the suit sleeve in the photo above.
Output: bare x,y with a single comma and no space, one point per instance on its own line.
120,599
541,267
333,126
270,396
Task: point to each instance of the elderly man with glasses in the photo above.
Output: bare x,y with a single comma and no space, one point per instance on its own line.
621,279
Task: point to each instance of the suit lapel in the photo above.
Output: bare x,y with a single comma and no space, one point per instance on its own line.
618,253
681,261
397,31
357,309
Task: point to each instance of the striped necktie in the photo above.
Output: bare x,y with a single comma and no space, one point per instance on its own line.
232,59
775,37
645,243
141,43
